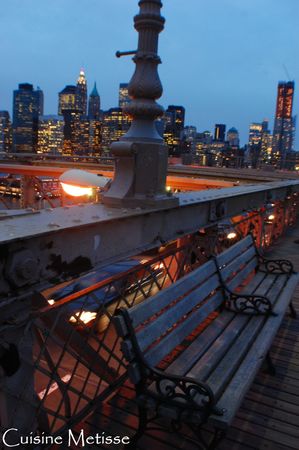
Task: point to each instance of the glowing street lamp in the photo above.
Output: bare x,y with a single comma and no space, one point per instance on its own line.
78,183
231,235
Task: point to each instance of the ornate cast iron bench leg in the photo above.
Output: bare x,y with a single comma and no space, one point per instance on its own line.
271,367
142,414
218,436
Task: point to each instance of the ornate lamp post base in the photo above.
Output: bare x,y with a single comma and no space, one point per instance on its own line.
141,155
140,170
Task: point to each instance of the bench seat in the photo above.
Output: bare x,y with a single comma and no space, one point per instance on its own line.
195,347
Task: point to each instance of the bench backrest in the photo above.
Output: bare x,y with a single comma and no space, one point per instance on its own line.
238,262
162,322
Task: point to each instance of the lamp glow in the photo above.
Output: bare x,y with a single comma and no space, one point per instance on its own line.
231,235
84,316
271,217
79,182
76,191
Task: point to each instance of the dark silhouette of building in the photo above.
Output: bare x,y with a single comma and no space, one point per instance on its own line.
233,137
174,118
50,134
76,124
123,95
94,104
81,94
28,104
5,132
284,122
219,134
115,124
67,99
95,125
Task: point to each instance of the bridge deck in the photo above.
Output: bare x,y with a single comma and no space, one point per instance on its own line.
269,416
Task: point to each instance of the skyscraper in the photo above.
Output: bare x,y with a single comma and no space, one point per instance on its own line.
94,116
255,143
123,95
67,99
50,134
174,118
68,108
219,134
81,95
94,104
5,132
283,123
28,104
233,137
115,125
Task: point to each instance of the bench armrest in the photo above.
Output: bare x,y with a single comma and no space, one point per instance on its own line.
275,266
185,392
247,303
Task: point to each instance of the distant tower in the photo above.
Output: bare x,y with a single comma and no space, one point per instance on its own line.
174,118
94,104
255,143
50,134
67,99
123,95
233,137
5,132
283,124
72,118
27,106
219,134
82,93
95,126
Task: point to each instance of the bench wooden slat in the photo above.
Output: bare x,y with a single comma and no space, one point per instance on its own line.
242,275
173,339
165,346
209,361
183,363
254,283
157,327
221,346
231,253
244,376
140,314
238,262
227,367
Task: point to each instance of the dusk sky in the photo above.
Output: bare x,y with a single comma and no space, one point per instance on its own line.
222,59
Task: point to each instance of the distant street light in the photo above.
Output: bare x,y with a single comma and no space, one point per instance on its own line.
77,183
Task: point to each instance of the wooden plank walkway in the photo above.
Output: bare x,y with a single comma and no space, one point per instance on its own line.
269,416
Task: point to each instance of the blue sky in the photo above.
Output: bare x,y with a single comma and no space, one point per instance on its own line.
222,59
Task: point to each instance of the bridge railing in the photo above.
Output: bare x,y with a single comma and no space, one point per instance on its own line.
74,361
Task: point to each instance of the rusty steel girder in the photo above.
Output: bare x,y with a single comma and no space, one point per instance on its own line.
53,244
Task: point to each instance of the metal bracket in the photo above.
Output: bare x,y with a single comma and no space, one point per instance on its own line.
119,54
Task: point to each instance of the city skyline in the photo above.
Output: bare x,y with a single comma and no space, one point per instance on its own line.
229,95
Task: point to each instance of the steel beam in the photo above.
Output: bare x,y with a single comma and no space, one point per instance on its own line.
63,242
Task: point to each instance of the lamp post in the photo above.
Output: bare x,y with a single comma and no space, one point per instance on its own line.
141,155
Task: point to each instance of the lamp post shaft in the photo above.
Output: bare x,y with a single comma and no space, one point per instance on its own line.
141,155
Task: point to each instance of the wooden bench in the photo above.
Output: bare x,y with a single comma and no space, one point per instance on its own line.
195,347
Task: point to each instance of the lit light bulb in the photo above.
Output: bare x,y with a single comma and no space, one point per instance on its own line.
271,217
231,235
76,191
